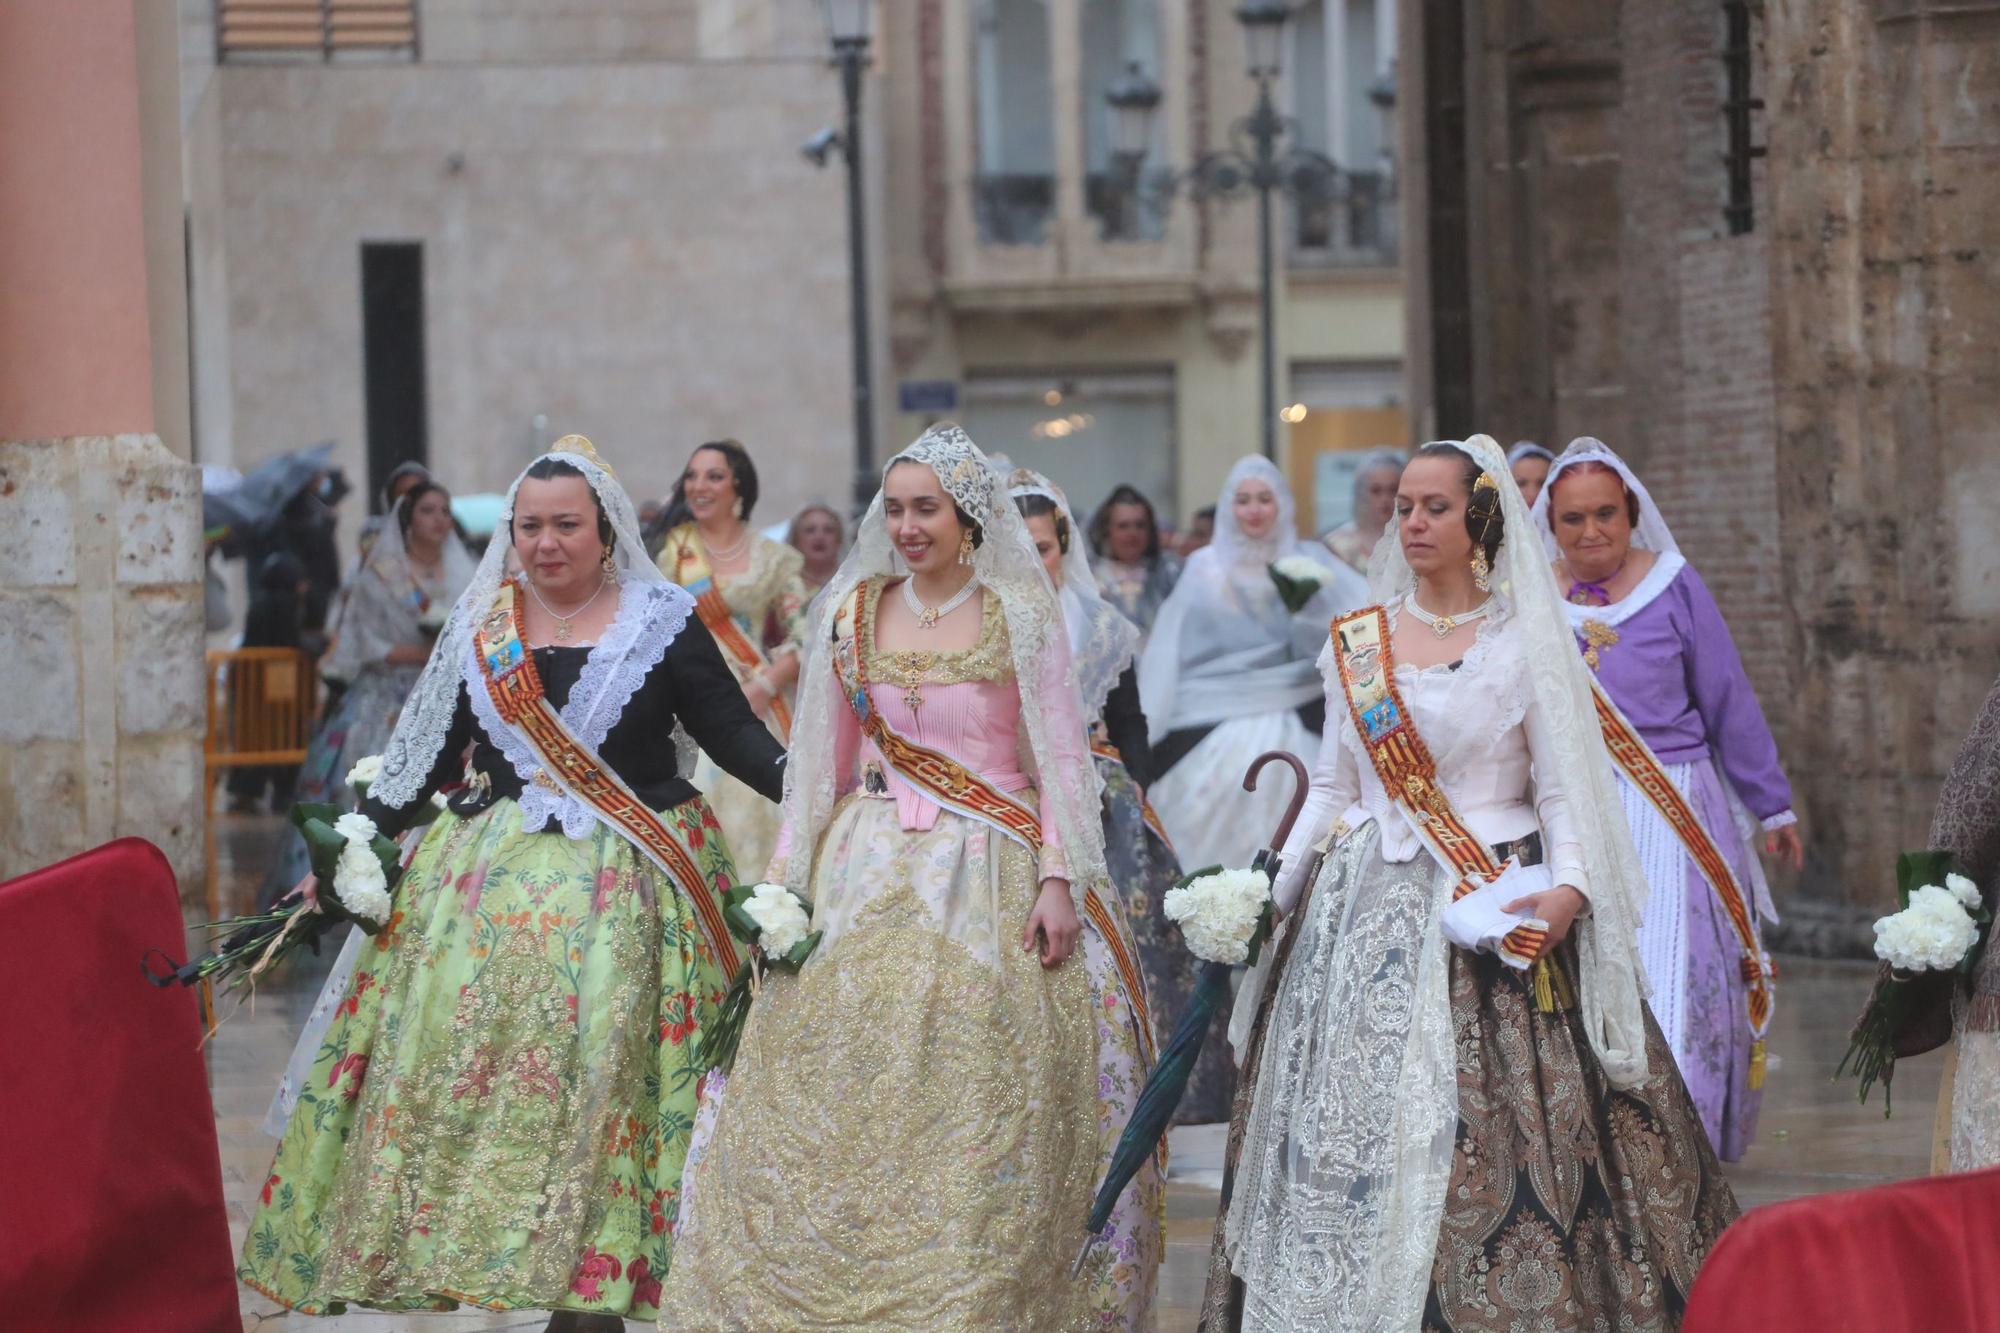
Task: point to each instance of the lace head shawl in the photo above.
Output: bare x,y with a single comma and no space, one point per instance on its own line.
1009,569
1230,543
1229,580
1527,449
376,610
1524,591
1649,534
1102,642
420,731
1371,461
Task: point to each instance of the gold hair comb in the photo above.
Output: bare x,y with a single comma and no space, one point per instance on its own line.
582,448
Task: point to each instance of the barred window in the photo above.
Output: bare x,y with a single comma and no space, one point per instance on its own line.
1741,112
315,30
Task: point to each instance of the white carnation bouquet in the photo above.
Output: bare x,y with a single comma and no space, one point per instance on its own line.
1297,577
356,868
775,926
1935,932
1224,915
1940,928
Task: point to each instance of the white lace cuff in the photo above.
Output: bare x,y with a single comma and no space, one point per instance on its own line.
1783,819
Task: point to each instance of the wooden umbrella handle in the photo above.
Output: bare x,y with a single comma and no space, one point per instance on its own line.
1302,780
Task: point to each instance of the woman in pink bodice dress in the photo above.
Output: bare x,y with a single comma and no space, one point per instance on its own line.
916,1122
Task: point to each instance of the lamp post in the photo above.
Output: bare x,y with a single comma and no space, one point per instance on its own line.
1133,98
1254,161
848,25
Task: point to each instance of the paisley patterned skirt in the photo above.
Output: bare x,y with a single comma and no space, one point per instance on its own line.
499,1112
1144,868
1571,1205
917,1122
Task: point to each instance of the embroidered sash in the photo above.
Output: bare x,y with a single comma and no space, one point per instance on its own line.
1404,764
1639,764
959,789
739,649
515,687
1104,749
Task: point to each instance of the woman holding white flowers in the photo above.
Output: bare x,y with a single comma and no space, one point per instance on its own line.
390,613
1941,1005
913,1129
1457,1111
499,1113
1228,672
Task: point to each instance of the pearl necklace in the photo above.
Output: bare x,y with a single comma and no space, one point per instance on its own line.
562,621
928,616
1445,626
726,555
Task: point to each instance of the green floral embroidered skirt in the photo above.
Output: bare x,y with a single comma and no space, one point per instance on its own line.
499,1113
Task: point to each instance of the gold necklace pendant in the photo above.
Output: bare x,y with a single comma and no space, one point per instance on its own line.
927,618
562,630
1444,626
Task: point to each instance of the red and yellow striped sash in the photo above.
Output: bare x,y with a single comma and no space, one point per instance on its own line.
958,788
691,570
515,687
1403,762
1639,764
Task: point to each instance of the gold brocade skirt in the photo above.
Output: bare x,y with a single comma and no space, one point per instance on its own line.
909,1138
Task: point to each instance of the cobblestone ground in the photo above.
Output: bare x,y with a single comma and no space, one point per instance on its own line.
1813,1136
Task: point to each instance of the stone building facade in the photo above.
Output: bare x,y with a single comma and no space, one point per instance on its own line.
613,228
1792,345
619,236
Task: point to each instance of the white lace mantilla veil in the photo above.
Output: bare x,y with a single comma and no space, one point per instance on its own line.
1524,589
389,561
1651,534
420,733
1102,642
1233,557
1009,569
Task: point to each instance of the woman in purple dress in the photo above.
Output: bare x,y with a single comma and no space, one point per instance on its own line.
1648,627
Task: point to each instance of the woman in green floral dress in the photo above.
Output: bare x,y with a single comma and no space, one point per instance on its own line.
499,1113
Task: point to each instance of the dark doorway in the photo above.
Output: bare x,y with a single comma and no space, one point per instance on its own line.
1448,208
392,358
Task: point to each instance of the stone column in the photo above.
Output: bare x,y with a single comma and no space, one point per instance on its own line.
100,594
1884,143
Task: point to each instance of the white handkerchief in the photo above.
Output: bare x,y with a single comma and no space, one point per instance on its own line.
1477,920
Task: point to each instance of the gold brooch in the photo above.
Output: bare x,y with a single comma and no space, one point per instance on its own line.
1597,637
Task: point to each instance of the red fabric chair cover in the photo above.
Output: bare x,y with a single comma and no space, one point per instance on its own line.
1922,1255
111,1208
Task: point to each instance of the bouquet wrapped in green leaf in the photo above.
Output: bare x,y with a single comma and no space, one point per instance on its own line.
355,866
1297,578
1939,930
775,926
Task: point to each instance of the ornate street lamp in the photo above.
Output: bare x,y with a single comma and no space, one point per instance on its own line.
1263,23
1134,99
1253,162
848,30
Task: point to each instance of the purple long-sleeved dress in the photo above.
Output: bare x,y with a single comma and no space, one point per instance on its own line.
1673,669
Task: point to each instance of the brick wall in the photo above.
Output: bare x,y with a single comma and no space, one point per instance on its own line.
1718,484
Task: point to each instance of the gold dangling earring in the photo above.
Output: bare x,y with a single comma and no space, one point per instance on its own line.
1482,572
736,509
608,563
965,548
